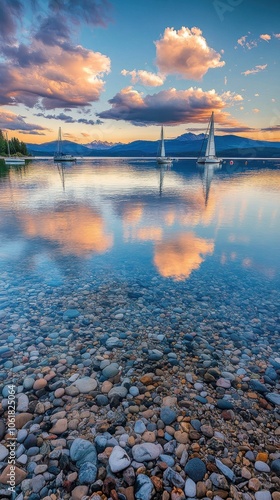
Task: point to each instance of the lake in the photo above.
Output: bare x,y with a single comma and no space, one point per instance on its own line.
139,311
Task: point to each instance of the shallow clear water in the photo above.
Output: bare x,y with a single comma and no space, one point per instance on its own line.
130,218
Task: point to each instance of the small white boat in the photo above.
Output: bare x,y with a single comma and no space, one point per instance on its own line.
13,160
59,155
210,153
162,159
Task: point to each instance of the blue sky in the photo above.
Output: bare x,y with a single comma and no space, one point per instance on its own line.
115,71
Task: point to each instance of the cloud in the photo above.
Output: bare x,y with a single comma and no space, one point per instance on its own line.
275,128
10,12
184,253
169,106
59,78
256,110
48,70
144,77
256,69
185,52
265,37
69,119
248,44
277,35
11,121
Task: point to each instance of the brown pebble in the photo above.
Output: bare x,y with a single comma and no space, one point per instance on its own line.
20,475
21,419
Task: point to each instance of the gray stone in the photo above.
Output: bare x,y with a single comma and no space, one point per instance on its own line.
143,487
3,452
85,384
146,451
262,466
275,466
118,390
273,397
139,427
81,450
225,470
190,488
219,481
37,483
155,354
119,459
87,473
263,495
258,386
70,314
110,371
28,383
173,477
22,403
167,415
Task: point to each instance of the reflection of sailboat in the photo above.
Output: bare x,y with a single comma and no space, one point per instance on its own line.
60,169
59,155
162,159
13,160
210,153
207,176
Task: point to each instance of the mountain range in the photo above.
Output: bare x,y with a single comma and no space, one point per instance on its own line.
188,144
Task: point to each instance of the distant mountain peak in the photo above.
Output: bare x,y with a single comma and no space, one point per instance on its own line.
189,136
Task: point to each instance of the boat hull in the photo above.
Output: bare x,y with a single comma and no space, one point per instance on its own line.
204,160
14,161
65,158
164,160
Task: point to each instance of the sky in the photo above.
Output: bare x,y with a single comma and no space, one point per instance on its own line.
117,70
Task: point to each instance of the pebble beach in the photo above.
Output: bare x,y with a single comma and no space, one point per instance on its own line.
141,388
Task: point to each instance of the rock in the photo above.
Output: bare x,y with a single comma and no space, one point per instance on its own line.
254,484
143,487
3,452
37,483
139,427
173,477
111,370
60,426
195,469
262,466
117,390
167,415
223,404
155,354
275,466
28,383
146,451
70,314
225,470
87,473
83,451
39,384
207,431
190,488
263,495
223,382
274,398
85,384
21,419
22,403
6,475
258,386
219,481
119,459
79,492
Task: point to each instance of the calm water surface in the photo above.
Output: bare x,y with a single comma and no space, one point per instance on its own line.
130,220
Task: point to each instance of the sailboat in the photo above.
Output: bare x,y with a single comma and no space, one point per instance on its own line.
162,159
210,153
13,160
59,156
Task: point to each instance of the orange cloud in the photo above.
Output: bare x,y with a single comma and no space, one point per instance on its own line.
185,52
78,232
58,78
256,69
178,257
265,37
171,106
144,77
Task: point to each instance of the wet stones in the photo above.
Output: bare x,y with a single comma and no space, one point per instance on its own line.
146,451
83,451
119,459
195,469
85,384
87,473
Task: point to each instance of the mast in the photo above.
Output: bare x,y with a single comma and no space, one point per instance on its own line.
59,141
162,149
210,148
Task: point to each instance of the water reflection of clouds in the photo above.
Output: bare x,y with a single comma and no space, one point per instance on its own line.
177,257
78,231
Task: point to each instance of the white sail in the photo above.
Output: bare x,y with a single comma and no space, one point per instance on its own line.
210,153
162,148
210,148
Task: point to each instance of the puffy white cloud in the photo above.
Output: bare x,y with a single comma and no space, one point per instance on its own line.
185,52
265,37
144,77
256,69
170,106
